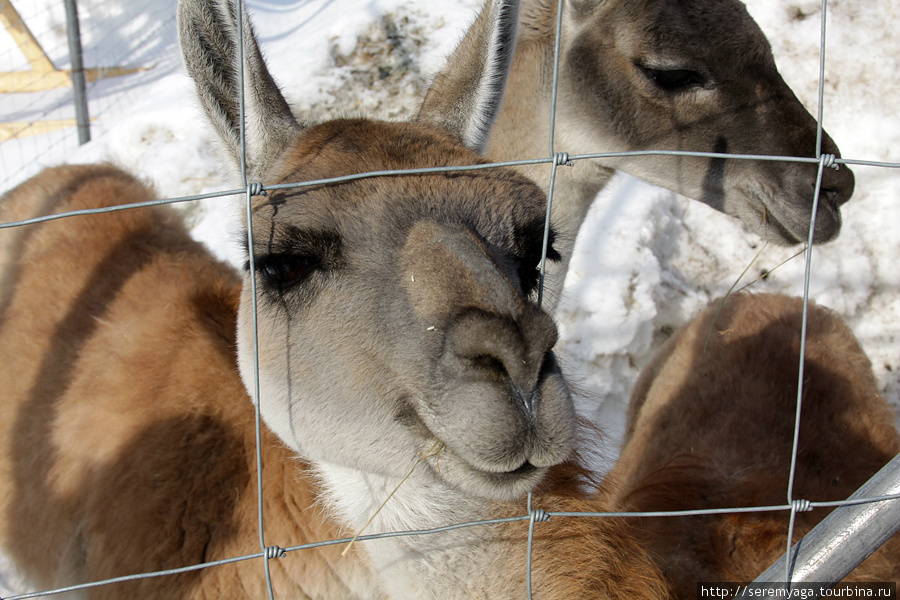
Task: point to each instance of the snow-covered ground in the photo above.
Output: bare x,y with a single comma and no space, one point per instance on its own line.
646,259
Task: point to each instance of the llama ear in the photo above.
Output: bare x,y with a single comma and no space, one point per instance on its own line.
465,96
210,42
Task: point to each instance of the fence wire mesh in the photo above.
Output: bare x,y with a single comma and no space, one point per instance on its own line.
534,515
37,114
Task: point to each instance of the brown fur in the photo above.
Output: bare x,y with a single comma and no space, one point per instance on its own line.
128,443
713,428
585,557
394,316
156,471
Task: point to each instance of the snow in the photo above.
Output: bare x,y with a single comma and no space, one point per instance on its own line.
646,259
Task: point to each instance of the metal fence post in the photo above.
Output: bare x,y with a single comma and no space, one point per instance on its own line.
77,70
847,536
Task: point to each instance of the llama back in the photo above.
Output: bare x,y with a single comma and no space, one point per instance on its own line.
124,415
710,425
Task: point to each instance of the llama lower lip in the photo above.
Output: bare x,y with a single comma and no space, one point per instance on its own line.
769,220
515,482
525,469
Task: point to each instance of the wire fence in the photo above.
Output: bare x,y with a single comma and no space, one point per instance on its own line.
37,115
532,514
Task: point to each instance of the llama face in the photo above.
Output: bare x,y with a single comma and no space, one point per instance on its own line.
394,313
698,76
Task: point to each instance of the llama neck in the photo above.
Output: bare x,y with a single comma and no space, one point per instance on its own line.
441,565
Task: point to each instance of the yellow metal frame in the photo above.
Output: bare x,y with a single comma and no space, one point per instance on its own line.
42,76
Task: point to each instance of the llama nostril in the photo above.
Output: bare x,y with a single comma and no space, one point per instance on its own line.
831,196
526,400
837,186
495,368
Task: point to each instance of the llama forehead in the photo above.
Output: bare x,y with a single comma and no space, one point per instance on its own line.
349,146
715,39
498,203
719,35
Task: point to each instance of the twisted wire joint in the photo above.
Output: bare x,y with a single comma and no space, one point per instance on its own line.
539,515
828,160
274,552
562,158
801,506
256,189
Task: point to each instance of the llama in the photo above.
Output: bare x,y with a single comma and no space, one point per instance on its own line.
395,326
660,75
712,427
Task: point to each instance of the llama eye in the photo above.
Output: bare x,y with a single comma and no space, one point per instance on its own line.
285,269
489,365
529,256
488,362
674,80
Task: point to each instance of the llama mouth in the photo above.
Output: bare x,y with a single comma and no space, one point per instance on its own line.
492,483
828,215
525,470
827,211
511,484
771,225
769,220
831,200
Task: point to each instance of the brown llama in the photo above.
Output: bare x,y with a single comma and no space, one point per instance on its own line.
710,425
693,75
395,325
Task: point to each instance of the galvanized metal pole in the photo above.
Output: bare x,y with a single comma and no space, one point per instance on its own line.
77,70
845,537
